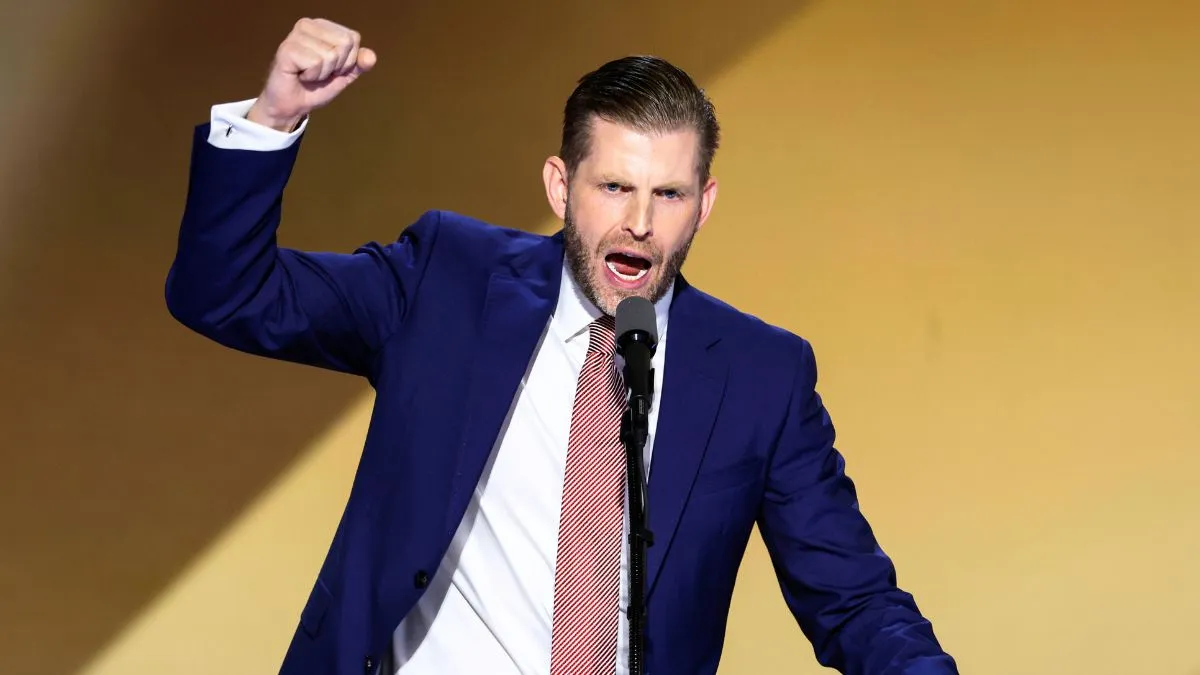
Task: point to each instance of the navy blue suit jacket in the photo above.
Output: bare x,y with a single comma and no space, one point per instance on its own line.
443,322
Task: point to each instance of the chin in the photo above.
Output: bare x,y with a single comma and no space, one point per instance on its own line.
609,294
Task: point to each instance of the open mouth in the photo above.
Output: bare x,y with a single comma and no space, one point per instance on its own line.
627,267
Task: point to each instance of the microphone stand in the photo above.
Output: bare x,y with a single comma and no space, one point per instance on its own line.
634,431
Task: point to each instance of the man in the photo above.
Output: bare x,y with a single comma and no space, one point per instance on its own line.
485,527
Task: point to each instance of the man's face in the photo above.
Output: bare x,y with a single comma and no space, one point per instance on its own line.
630,211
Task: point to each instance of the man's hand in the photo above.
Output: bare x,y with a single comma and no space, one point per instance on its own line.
315,63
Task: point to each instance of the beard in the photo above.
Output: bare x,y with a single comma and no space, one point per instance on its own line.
585,265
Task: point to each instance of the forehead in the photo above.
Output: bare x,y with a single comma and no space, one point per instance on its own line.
636,155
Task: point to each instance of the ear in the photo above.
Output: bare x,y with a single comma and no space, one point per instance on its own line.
708,197
554,175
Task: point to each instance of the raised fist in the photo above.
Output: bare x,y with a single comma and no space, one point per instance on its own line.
315,63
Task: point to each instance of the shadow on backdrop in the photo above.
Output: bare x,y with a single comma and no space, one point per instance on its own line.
130,443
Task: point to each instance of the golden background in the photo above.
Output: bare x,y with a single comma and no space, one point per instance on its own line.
985,216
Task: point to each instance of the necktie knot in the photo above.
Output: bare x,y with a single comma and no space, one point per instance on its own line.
603,335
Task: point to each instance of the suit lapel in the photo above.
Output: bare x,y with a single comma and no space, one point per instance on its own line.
693,385
520,299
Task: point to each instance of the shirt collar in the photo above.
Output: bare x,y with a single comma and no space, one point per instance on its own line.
575,313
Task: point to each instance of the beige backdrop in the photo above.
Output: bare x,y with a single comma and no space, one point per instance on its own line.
984,215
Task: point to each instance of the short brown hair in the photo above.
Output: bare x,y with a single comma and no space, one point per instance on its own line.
646,93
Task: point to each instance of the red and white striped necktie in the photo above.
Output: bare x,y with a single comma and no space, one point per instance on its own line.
587,573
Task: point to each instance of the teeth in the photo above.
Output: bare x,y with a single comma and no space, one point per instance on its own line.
613,268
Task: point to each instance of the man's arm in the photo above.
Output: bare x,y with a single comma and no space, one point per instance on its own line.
836,580
230,280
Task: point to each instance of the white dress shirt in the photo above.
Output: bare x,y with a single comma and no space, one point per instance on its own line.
489,606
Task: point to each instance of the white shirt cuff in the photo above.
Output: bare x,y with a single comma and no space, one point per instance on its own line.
230,130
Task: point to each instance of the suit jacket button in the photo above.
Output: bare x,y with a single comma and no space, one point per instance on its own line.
369,665
421,580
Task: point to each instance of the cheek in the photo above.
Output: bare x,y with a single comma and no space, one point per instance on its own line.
608,212
597,218
675,228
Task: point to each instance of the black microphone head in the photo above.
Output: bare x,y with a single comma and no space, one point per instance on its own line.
635,314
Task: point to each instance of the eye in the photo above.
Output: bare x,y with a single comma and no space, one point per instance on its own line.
611,187
671,194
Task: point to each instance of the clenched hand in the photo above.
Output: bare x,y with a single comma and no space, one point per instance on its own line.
315,63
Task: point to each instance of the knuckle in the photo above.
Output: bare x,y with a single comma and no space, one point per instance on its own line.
289,54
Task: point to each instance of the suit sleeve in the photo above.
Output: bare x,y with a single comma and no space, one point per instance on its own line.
231,282
836,580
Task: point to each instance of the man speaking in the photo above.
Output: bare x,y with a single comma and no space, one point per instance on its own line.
486,529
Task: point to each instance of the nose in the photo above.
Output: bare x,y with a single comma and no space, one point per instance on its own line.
640,223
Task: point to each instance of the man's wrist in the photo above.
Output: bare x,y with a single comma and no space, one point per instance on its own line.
283,123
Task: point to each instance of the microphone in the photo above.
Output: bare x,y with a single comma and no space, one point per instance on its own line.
637,338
